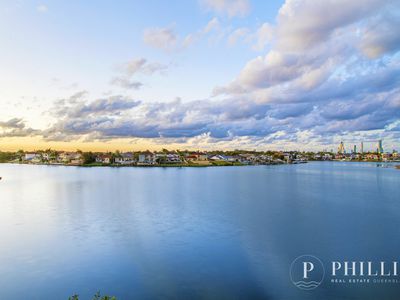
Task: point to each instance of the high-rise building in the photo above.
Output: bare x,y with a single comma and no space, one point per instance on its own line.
355,149
380,147
362,148
341,149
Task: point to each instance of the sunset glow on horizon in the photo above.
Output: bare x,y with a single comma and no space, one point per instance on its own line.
206,74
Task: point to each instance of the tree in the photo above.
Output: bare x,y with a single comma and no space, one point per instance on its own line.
97,296
88,157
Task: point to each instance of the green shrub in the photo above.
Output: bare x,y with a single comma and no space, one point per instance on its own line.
97,296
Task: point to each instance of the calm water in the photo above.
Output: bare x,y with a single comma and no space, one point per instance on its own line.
192,233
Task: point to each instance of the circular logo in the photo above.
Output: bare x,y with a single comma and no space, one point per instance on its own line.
307,272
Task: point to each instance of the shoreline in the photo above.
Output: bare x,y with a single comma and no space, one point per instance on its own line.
181,165
227,164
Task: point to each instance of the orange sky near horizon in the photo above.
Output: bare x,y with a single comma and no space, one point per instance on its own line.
36,143
31,143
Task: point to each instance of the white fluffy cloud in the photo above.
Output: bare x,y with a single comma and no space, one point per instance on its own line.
264,36
138,66
302,24
332,69
381,35
160,38
141,66
309,46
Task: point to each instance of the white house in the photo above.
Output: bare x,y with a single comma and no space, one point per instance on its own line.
146,158
105,159
125,158
218,157
33,157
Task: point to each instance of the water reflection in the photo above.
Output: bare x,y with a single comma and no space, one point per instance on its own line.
215,233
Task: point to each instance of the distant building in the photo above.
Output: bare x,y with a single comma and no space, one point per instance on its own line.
32,157
197,157
380,147
173,158
125,158
341,149
104,158
67,157
146,158
372,156
218,157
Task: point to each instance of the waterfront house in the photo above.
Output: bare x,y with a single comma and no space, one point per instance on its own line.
75,158
173,158
64,157
104,158
231,158
202,157
395,155
29,156
32,157
247,158
146,158
159,158
70,157
340,156
386,156
218,157
265,159
196,156
125,158
191,157
372,156
46,156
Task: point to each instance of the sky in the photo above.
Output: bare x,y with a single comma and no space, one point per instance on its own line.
199,74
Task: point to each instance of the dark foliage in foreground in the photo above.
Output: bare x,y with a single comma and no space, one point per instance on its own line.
97,296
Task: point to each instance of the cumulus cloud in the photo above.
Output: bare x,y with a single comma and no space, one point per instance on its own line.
16,127
380,35
141,66
126,83
166,39
306,23
339,72
264,35
13,123
308,47
137,66
323,76
230,119
230,8
65,108
160,38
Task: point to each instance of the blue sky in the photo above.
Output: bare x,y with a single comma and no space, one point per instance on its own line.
199,74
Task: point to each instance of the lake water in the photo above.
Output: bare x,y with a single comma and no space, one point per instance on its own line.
192,233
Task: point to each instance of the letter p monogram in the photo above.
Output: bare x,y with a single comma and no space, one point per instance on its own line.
307,267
